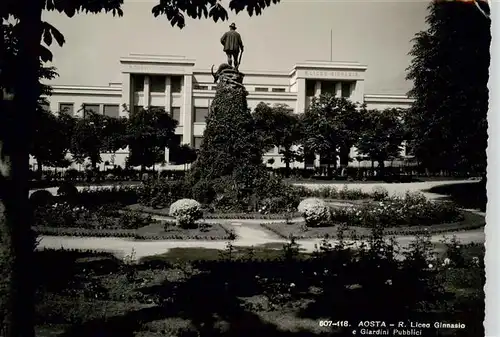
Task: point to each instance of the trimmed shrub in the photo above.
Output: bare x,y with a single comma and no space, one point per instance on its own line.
68,191
186,212
119,195
41,198
314,211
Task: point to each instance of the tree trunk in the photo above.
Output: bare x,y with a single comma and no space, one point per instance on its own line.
287,168
381,168
14,169
39,169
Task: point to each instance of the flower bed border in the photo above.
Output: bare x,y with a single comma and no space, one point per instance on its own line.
471,221
132,234
214,216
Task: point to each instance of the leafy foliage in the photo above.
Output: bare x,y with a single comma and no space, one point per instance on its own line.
183,155
149,132
331,125
87,140
279,127
450,68
114,133
382,135
176,10
51,139
230,146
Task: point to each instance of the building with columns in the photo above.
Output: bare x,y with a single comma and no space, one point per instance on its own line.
174,83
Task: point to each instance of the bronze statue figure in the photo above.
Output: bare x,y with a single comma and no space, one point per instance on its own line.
233,46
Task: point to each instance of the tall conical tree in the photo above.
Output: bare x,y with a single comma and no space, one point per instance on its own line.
231,147
450,69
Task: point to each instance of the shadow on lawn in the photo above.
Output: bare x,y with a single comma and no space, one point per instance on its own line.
337,285
209,302
466,195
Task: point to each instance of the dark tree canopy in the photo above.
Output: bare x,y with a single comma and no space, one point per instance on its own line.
149,132
447,123
382,135
331,125
279,127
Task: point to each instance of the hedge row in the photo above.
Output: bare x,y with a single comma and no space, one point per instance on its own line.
228,216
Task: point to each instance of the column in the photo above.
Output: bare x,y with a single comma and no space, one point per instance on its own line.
147,98
168,108
338,89
126,94
358,92
187,109
301,95
317,88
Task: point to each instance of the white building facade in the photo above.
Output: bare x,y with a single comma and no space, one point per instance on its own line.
173,83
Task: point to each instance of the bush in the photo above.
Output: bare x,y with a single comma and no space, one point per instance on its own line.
59,215
41,198
204,192
315,212
68,191
134,220
117,195
379,193
160,193
186,212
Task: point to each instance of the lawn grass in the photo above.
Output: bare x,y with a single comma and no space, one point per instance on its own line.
300,231
158,230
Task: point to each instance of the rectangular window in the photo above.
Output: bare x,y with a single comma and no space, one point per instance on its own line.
260,89
176,84
176,114
157,83
155,107
213,87
90,108
328,87
112,110
310,88
200,87
200,114
198,141
278,89
69,108
138,81
346,89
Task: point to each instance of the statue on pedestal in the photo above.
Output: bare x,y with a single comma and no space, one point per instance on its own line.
233,47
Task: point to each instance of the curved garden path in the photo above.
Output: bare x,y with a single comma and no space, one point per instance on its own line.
248,231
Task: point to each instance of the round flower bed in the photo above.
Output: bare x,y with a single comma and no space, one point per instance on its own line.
186,212
315,211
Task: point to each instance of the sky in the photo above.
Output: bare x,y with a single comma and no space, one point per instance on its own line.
375,33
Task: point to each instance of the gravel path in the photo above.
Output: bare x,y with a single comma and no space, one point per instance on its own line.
248,237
